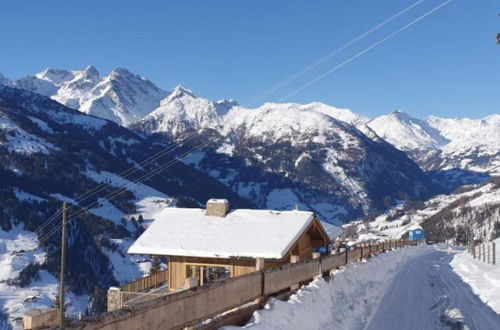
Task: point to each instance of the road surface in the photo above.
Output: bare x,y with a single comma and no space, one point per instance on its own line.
427,294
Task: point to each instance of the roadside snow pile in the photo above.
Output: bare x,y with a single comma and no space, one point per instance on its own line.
353,293
482,277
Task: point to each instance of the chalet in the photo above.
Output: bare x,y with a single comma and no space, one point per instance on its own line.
203,245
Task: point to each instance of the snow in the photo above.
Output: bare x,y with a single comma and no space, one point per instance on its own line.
407,133
183,110
241,233
409,288
194,158
40,293
139,190
18,249
282,199
41,124
464,143
20,141
125,267
27,197
483,278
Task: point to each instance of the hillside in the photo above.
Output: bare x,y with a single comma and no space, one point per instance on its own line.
49,154
284,155
471,212
458,146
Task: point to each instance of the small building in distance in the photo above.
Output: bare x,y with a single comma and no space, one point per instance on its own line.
203,245
416,233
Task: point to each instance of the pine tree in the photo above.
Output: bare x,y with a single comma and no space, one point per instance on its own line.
155,266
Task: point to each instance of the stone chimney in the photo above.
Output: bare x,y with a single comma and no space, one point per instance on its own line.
217,207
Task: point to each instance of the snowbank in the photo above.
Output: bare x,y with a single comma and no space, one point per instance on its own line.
354,295
483,278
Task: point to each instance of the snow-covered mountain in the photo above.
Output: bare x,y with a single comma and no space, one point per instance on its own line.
182,111
407,133
49,154
439,144
122,96
283,155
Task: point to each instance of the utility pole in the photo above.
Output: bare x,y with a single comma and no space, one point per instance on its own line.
63,266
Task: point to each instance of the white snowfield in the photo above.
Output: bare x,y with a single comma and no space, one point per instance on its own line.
410,288
241,233
484,278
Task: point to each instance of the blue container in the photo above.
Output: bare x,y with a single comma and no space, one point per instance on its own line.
416,233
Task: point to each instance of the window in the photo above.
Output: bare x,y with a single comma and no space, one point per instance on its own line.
207,274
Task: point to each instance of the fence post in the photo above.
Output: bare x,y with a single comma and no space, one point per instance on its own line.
294,259
317,255
484,252
114,298
259,266
493,247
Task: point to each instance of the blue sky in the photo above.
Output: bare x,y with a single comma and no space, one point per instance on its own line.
447,64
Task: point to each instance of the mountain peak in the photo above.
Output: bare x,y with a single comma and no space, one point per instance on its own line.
180,91
55,76
400,114
4,80
120,72
91,70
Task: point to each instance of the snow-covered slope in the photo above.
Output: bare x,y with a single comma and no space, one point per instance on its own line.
122,96
50,153
182,111
410,288
407,133
471,212
474,144
282,155
440,144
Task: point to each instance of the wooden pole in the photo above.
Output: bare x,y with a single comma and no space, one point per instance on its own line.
63,266
493,246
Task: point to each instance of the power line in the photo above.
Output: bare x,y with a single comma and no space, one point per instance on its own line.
336,51
121,190
122,175
169,164
352,58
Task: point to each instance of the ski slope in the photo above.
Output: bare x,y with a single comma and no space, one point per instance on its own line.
412,288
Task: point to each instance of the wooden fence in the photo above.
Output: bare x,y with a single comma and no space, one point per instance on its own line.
485,252
146,283
190,307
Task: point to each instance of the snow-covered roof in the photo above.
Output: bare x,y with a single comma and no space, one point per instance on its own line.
241,233
415,227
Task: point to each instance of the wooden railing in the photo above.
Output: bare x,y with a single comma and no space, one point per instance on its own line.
485,252
190,307
132,298
146,283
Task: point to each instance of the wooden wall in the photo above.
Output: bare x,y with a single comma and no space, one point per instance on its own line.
303,247
178,265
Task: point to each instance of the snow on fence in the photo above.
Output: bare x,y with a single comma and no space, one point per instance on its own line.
485,252
190,307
